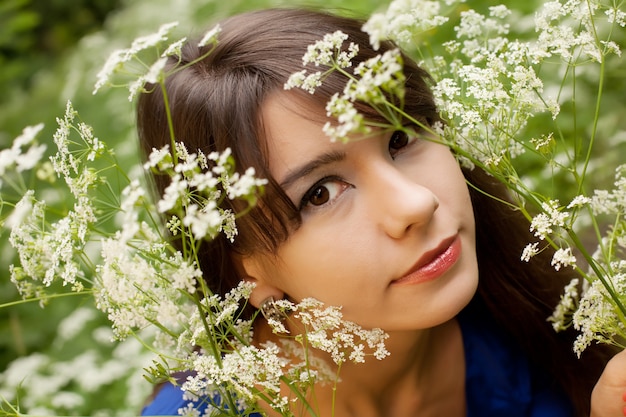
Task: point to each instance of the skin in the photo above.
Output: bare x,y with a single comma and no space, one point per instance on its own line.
608,398
374,211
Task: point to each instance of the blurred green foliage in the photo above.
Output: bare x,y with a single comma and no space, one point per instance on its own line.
36,33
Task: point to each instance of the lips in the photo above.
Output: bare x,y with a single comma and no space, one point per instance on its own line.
433,263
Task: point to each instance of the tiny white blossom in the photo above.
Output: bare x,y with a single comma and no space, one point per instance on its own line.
529,251
544,223
144,42
153,75
403,18
174,49
120,57
560,318
616,15
211,36
323,52
306,82
578,201
159,157
543,143
14,156
563,257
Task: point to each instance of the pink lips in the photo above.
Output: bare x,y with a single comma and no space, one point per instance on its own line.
433,263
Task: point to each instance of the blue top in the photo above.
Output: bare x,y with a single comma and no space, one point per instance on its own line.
499,380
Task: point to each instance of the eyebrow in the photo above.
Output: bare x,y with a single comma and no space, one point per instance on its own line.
311,166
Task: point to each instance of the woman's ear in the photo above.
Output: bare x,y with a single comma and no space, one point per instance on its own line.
256,272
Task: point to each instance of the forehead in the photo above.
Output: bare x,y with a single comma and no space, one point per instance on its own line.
293,131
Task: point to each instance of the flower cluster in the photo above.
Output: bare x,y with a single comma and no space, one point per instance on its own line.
326,330
122,60
404,19
374,81
597,313
123,56
51,249
198,184
594,313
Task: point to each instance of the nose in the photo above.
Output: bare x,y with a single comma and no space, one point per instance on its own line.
401,202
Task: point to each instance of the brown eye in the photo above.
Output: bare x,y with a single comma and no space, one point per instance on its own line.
398,140
323,193
319,196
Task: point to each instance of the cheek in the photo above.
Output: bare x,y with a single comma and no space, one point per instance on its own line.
321,263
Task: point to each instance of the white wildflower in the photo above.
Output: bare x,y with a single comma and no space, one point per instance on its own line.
175,48
22,209
403,18
543,143
64,162
119,58
15,156
145,42
543,224
499,11
563,257
160,158
173,225
578,201
596,317
244,185
176,192
473,25
324,52
306,82
114,62
211,36
610,47
561,317
529,251
154,75
343,340
296,79
378,74
613,201
349,119
616,15
135,286
203,221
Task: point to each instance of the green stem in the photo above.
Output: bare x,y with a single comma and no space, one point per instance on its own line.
170,122
596,115
51,296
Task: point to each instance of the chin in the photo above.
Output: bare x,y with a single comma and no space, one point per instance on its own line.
455,298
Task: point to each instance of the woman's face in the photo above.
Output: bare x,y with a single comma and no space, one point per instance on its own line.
387,225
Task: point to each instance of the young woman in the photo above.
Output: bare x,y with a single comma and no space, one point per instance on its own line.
385,227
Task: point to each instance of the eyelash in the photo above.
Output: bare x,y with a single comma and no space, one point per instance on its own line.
309,194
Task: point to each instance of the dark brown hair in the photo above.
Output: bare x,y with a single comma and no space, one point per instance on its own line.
215,104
